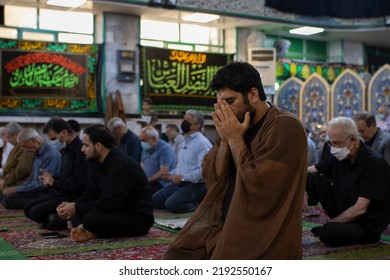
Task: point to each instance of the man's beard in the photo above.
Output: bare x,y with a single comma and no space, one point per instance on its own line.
94,157
248,108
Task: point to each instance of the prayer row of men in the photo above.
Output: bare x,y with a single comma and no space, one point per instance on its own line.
246,190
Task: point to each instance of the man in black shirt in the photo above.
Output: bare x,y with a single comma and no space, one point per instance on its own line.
71,183
357,200
118,201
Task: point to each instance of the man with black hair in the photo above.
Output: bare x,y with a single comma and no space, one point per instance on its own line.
174,136
75,127
118,201
373,136
255,176
71,183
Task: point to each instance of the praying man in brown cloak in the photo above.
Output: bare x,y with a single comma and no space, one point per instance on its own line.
255,176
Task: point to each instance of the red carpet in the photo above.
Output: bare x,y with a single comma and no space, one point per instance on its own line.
25,236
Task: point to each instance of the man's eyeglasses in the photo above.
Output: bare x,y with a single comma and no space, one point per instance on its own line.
338,144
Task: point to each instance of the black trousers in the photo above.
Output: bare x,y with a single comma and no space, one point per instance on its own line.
117,224
39,209
336,234
341,234
19,200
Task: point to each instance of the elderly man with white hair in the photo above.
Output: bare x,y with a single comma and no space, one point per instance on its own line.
46,158
158,157
126,140
357,200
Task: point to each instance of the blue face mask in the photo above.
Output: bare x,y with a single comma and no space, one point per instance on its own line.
380,116
145,146
57,144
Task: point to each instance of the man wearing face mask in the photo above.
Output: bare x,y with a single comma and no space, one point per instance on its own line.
71,183
157,159
186,185
383,117
357,200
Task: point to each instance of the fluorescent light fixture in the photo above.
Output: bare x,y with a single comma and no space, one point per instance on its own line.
66,3
306,30
200,17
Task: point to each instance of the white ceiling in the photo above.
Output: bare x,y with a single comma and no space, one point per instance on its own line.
379,37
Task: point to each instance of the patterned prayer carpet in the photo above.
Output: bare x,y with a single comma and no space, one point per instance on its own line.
313,249
21,238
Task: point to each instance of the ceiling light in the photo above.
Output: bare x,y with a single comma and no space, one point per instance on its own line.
306,30
66,3
199,17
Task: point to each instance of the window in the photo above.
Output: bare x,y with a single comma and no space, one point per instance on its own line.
66,21
158,30
21,17
36,36
64,26
75,38
190,33
8,33
189,37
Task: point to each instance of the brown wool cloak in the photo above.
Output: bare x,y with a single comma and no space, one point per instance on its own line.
265,215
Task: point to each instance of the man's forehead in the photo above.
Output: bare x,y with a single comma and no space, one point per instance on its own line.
51,132
189,117
227,93
361,124
26,142
335,132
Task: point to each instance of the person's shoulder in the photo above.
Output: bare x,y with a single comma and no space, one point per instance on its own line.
76,144
385,136
118,156
371,156
163,144
203,139
131,136
278,114
48,150
311,143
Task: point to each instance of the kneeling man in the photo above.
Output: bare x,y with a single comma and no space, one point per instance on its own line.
358,198
118,201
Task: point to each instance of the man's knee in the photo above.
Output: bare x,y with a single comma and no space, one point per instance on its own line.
158,202
10,203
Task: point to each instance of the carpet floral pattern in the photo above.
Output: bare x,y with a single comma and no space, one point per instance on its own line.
24,237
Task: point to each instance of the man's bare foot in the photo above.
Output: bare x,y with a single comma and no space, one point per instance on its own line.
80,234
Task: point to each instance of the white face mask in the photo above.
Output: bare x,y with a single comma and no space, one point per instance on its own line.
57,144
340,153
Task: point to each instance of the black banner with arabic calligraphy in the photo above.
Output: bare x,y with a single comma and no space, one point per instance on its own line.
45,77
180,80
43,74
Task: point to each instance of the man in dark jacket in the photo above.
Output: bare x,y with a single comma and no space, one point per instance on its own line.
118,201
71,183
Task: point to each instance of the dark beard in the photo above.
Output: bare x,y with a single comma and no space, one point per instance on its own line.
94,157
248,108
